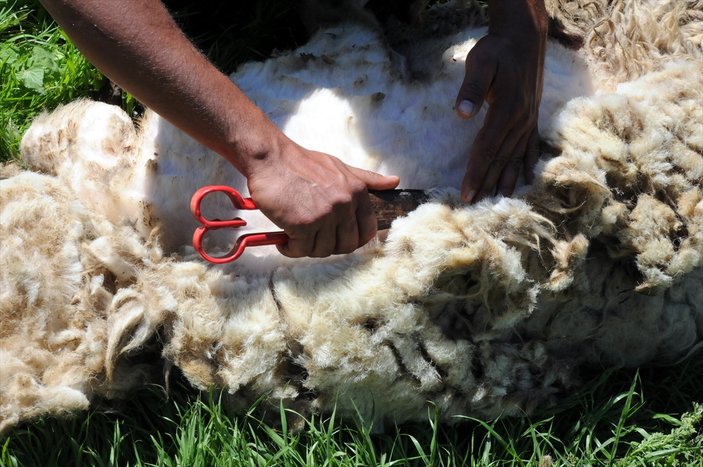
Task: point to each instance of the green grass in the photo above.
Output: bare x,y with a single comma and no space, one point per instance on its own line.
620,418
39,69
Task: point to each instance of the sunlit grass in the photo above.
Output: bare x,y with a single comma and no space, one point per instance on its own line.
39,68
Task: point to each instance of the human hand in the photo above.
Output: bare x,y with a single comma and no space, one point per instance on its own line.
320,202
505,70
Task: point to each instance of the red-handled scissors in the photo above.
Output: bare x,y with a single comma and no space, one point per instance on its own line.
244,241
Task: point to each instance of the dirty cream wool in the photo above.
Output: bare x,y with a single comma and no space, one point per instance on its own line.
484,310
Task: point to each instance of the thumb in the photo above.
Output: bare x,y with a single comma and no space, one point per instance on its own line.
375,181
477,82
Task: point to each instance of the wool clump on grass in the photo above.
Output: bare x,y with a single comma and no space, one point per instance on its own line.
485,310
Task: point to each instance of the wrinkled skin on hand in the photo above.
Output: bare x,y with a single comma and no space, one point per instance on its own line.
505,70
320,202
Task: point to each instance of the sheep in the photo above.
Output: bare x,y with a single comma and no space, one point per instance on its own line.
486,310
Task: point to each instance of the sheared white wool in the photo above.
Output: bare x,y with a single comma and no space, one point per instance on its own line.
485,310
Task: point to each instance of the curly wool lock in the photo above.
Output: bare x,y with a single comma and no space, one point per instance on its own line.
487,310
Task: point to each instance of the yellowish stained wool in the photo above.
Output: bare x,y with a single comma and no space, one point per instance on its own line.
486,310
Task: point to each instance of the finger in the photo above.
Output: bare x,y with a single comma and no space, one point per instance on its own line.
298,246
504,156
375,181
531,156
483,153
511,172
325,240
347,236
479,74
365,219
347,230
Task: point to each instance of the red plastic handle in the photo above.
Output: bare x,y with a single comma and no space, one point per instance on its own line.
242,242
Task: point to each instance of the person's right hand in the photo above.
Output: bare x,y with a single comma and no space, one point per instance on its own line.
319,201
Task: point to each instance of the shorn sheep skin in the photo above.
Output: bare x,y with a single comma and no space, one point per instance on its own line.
487,310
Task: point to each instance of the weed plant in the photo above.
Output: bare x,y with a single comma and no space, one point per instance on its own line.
39,69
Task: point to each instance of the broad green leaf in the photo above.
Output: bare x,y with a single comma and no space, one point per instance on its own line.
32,78
45,58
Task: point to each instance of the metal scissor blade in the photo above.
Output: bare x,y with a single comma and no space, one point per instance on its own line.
391,204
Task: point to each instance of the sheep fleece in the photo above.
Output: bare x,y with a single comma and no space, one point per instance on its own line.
485,310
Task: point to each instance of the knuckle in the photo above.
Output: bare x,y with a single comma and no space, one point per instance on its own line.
343,199
348,237
503,159
292,250
515,162
366,234
303,224
511,105
488,153
345,249
492,156
357,186
479,56
472,90
518,109
320,253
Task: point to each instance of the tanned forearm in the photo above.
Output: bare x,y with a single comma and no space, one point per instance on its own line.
139,46
320,202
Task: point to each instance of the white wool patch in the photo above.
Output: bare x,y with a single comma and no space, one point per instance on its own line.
485,310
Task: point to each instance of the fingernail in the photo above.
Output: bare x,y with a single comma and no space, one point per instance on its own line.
469,196
466,108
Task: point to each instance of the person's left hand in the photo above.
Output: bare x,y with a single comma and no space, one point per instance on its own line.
505,70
